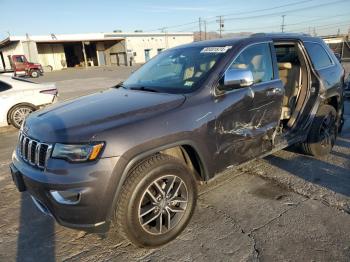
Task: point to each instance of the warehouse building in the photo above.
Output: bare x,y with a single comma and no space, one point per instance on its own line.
55,52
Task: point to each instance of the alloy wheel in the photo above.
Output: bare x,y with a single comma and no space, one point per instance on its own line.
20,114
163,204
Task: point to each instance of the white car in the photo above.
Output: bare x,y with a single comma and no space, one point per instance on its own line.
19,97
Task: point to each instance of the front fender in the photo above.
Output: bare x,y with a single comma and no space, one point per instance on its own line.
130,159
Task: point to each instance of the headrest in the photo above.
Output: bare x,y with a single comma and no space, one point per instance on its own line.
285,65
257,61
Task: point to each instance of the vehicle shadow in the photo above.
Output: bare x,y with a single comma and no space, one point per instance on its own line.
333,176
36,237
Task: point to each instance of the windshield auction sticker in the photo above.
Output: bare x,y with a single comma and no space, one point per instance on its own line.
218,49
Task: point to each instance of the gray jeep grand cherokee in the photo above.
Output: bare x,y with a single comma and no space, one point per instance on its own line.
134,154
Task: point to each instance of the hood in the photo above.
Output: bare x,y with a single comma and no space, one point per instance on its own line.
34,64
81,119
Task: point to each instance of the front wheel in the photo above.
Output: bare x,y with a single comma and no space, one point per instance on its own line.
323,132
156,202
34,73
18,114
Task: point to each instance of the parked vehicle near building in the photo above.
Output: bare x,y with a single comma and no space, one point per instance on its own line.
19,98
134,154
21,65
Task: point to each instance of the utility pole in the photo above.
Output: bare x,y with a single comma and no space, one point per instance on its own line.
164,30
283,25
200,28
221,25
205,29
314,32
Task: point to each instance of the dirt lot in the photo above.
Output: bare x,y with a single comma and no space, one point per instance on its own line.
285,207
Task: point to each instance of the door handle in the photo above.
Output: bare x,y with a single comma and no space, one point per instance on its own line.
274,91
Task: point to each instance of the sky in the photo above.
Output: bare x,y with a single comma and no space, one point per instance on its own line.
35,17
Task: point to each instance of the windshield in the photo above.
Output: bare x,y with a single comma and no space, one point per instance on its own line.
176,70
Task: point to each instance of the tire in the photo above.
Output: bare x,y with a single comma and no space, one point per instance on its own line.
34,73
142,208
49,68
323,132
18,113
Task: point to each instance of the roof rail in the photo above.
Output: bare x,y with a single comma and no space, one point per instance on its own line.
257,34
274,34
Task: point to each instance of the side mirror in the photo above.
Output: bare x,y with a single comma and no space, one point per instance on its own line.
236,78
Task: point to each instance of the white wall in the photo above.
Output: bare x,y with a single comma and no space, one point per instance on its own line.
15,48
52,55
138,44
30,50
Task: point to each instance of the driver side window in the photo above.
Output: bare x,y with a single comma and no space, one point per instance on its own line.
256,58
19,59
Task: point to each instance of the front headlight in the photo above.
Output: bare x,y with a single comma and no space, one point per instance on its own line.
77,153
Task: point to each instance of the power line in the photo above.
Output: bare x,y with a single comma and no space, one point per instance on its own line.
245,12
318,19
322,27
228,18
265,9
277,13
274,25
282,12
286,11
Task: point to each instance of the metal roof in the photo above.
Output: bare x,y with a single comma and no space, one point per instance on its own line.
84,37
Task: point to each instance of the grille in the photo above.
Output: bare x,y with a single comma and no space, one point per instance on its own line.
34,152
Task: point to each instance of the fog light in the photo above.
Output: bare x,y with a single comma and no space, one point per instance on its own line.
66,197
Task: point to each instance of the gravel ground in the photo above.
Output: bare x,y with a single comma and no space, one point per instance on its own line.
284,207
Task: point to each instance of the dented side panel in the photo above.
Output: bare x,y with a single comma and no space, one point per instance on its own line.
248,119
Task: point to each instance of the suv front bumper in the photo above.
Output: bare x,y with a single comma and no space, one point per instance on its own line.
52,189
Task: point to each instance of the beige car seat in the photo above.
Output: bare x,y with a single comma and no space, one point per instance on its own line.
257,68
189,72
290,75
205,67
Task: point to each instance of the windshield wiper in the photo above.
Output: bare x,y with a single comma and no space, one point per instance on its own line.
143,88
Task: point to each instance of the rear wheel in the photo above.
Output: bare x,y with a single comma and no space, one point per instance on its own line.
156,202
18,114
323,132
